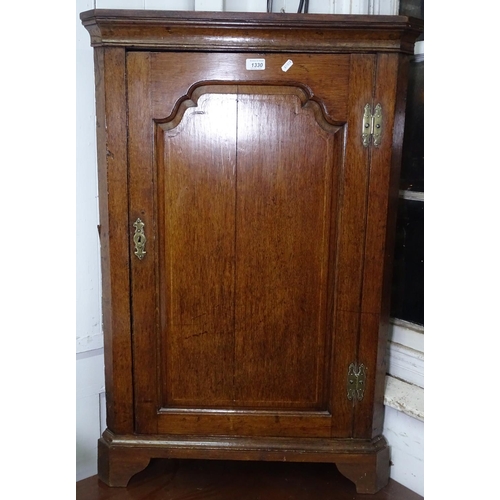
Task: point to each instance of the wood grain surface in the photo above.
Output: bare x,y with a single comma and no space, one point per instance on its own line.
223,480
269,230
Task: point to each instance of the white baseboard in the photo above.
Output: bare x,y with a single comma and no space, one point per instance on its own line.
405,363
405,436
404,400
407,334
89,387
404,397
405,352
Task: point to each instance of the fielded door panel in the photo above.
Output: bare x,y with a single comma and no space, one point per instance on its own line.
251,187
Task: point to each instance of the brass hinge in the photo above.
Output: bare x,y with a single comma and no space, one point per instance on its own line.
372,125
356,381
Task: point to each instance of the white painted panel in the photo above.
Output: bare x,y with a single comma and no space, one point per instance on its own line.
316,6
89,386
88,275
245,6
354,6
342,7
407,334
280,5
321,6
87,434
404,397
411,195
169,4
360,7
89,373
102,412
255,5
406,363
388,7
209,5
291,6
383,7
405,436
120,4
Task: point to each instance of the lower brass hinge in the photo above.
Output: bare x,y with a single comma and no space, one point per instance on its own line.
356,382
372,125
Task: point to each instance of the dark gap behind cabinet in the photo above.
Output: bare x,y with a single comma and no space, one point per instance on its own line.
407,298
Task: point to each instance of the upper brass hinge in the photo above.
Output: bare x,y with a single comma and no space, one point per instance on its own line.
356,382
372,125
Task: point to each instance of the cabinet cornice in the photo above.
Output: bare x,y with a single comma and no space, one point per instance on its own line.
251,32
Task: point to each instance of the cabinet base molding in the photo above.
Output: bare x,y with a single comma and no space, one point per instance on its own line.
365,462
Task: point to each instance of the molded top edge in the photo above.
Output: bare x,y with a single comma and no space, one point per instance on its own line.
257,19
251,32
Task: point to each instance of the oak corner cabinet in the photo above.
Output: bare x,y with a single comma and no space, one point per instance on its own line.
248,174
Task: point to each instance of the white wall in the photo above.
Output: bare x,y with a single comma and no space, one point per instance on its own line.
404,400
89,407
403,429
88,312
405,436
89,340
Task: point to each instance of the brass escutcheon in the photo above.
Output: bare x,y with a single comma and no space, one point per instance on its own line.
139,239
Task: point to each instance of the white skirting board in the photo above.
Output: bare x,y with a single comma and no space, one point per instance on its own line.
405,436
404,400
89,387
404,431
405,363
404,397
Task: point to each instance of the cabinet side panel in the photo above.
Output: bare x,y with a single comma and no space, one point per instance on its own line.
390,93
113,209
350,241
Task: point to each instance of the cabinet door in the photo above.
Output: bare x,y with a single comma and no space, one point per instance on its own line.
251,185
